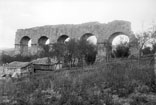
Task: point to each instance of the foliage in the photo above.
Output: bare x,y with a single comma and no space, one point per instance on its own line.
87,51
72,52
147,51
7,58
154,48
45,52
105,84
142,39
122,50
58,51
90,57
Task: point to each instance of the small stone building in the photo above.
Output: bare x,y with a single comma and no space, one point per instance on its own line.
17,68
46,64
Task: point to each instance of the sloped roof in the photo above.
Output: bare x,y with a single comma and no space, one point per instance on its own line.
18,64
44,60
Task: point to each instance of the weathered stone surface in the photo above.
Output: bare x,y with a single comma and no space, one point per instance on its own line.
53,32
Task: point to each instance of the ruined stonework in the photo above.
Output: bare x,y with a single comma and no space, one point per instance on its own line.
39,35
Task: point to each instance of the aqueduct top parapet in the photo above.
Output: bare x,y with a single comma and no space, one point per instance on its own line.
101,30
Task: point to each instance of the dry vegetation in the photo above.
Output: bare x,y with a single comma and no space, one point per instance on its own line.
121,83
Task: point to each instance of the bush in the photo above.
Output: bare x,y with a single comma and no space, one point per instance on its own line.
122,50
96,87
74,52
7,58
87,51
147,51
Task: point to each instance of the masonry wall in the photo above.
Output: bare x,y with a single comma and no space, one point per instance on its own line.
101,30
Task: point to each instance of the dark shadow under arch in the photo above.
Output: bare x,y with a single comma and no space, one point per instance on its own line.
42,40
24,45
85,36
62,38
25,40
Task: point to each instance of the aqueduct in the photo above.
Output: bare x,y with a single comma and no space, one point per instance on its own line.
39,35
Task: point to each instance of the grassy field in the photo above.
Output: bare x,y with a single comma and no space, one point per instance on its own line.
118,83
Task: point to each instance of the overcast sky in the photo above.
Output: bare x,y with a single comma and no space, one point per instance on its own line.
17,14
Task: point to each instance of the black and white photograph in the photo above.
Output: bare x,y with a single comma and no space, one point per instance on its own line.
77,52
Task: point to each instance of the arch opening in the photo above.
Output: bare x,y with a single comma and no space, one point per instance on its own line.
92,40
29,43
25,43
63,39
86,36
118,38
43,40
47,42
25,40
119,45
89,37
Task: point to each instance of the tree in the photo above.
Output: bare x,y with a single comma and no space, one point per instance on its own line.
72,51
147,51
140,41
45,52
87,51
5,58
58,51
154,48
90,57
122,50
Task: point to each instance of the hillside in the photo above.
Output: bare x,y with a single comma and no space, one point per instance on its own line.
9,51
123,82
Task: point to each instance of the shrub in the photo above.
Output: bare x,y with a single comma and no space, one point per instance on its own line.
7,58
122,50
96,87
147,51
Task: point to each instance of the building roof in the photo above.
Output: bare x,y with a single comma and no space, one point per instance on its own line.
17,64
44,60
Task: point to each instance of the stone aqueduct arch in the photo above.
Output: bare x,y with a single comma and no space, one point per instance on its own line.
39,35
62,38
